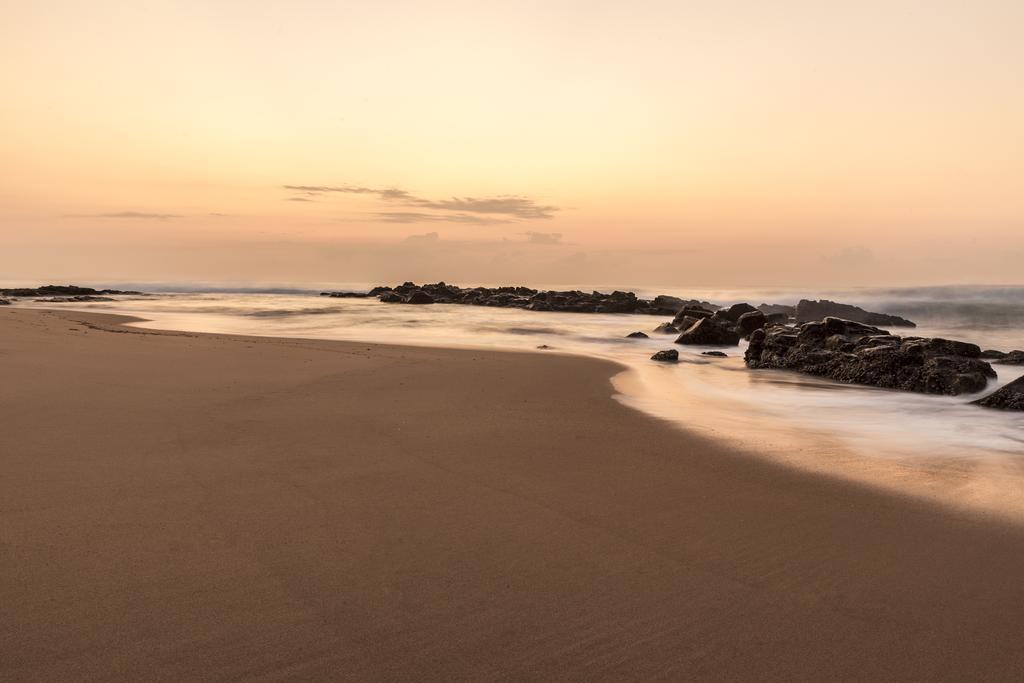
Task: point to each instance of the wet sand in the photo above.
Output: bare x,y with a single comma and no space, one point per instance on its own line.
185,506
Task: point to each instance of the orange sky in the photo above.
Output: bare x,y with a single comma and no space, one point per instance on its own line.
718,144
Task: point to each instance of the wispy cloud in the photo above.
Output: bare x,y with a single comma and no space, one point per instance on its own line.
299,199
128,214
423,217
504,208
543,237
425,238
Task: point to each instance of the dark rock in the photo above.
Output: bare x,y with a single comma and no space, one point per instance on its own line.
349,295
991,354
1013,358
734,312
64,291
70,299
716,354
776,319
1010,397
709,332
750,321
807,311
853,352
531,299
666,328
418,297
544,346
691,313
4,302
667,356
783,310
636,335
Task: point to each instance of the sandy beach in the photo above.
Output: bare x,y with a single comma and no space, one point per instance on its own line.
206,507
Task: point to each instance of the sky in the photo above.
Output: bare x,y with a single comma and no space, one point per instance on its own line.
721,144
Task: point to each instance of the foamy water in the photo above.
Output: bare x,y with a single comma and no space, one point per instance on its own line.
886,436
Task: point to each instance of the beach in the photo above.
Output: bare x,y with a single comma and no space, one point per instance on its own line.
177,505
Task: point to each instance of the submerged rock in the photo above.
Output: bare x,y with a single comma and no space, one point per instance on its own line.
716,354
807,311
68,299
853,352
4,302
666,356
666,328
636,335
1010,397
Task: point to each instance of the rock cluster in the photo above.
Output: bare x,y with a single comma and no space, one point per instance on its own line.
1010,397
852,352
62,290
573,301
806,311
67,299
724,327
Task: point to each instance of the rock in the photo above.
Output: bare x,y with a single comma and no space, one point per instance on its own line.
544,346
690,313
666,328
1010,397
750,321
69,299
64,291
716,354
4,302
418,297
709,332
807,311
666,356
531,299
734,312
636,335
1012,358
775,319
783,310
991,354
348,295
853,352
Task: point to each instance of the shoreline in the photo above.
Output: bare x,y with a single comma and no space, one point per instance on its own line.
208,506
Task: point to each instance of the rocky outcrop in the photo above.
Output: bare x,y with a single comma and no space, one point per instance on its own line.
1011,358
666,328
807,311
64,291
1010,397
69,299
636,335
569,301
666,356
4,302
852,352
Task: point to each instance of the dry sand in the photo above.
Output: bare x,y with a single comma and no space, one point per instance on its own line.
182,506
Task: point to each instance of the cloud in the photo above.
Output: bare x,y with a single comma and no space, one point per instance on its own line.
543,237
299,199
422,217
425,238
129,214
506,207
